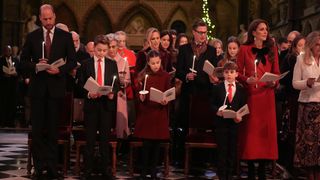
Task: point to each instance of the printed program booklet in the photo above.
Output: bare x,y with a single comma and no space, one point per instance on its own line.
93,86
228,113
211,70
11,70
42,67
157,96
272,77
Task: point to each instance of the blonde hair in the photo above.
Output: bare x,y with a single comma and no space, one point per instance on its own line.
150,31
311,41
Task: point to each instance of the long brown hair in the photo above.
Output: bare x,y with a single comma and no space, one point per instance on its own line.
267,43
147,69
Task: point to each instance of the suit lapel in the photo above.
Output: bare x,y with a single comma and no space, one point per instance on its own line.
92,69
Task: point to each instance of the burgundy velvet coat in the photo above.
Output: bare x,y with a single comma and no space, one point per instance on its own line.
258,133
152,118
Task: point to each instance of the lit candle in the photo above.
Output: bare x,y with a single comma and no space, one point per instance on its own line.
255,67
194,58
225,99
255,70
42,49
145,82
124,64
114,78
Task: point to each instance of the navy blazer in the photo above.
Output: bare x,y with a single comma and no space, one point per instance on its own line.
219,94
43,84
87,70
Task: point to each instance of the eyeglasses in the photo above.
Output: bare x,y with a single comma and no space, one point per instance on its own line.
201,32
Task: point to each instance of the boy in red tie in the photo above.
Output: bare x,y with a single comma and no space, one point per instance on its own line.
227,95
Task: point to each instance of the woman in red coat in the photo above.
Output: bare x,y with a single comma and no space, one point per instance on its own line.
258,134
152,124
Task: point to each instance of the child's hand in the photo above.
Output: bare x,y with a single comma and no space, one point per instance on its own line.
219,113
110,95
237,119
191,76
142,97
164,102
94,95
213,79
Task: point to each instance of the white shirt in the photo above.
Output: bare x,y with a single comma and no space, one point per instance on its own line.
96,68
226,85
301,74
45,33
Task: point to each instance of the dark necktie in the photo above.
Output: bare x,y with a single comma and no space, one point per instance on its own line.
99,73
230,92
48,44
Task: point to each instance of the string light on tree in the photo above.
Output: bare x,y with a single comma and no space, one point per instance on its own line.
206,18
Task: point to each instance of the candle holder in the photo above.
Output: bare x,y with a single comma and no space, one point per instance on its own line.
144,91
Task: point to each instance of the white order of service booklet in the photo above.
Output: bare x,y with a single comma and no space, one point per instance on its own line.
157,96
42,67
267,76
228,113
92,85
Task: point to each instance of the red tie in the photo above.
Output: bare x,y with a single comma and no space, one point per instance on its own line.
99,73
230,92
48,44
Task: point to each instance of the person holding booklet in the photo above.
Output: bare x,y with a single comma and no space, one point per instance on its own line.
227,95
47,88
306,79
259,132
152,123
99,110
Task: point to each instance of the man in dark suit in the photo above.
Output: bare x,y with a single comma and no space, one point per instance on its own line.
99,110
8,91
47,88
196,83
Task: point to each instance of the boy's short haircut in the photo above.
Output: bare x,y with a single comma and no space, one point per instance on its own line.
230,66
101,39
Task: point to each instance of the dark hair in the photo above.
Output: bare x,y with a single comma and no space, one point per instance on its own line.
146,69
269,43
230,66
164,33
101,39
293,48
231,39
181,35
173,32
282,40
197,23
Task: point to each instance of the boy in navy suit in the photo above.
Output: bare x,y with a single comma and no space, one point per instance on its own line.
232,95
99,109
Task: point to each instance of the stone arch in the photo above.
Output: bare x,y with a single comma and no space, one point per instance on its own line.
177,20
65,15
307,28
179,26
135,21
96,22
137,13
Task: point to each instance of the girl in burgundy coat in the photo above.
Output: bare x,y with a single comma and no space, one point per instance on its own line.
152,124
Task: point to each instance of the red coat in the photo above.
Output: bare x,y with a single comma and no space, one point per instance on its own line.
258,133
152,118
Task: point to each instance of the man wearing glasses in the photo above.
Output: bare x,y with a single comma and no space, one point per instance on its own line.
196,83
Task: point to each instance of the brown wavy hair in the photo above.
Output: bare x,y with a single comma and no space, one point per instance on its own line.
267,43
